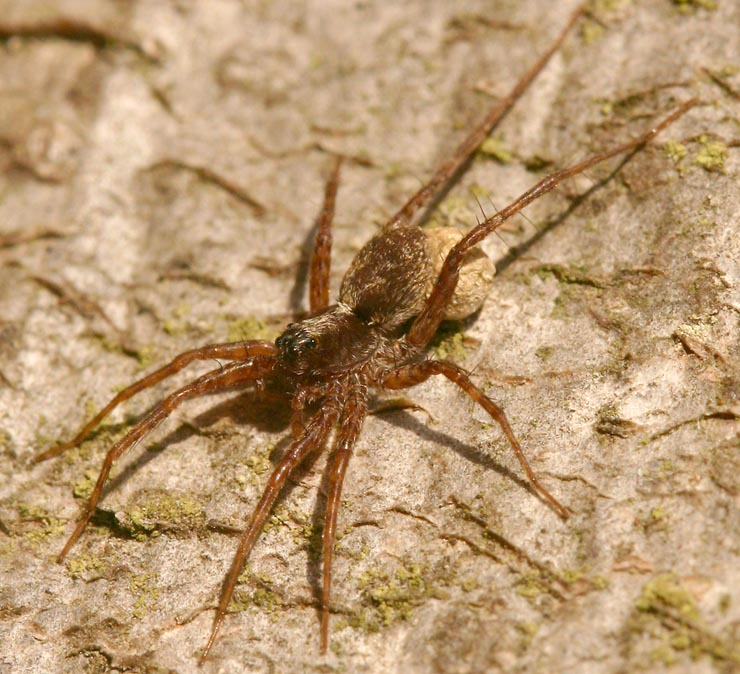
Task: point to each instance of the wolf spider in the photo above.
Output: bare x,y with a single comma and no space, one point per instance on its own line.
391,301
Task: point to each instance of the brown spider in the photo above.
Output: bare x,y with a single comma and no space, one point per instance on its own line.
391,301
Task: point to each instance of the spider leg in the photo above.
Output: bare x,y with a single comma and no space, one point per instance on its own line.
466,149
238,351
428,320
297,408
313,437
410,375
321,257
350,424
216,380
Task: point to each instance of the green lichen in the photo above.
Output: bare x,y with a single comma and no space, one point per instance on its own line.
392,596
240,329
43,526
161,510
591,31
691,5
259,464
583,575
656,520
527,629
255,590
143,587
302,530
86,566
544,353
712,156
665,592
83,488
531,586
176,324
470,584
145,356
494,147
607,5
449,342
676,151
454,210
667,612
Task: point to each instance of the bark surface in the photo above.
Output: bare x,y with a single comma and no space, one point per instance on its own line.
161,168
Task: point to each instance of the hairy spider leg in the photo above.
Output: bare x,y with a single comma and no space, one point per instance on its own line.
428,320
321,257
350,425
446,170
216,380
313,438
238,351
416,373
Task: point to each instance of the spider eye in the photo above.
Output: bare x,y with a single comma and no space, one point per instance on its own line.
295,341
305,343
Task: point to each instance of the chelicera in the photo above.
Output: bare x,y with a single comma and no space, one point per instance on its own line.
392,299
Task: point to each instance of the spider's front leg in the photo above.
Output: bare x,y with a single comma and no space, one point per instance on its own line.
416,373
217,380
237,351
428,320
467,148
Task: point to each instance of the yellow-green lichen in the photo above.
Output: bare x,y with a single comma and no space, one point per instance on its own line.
83,488
392,596
42,525
527,629
85,566
713,154
544,353
494,147
591,31
531,586
255,589
160,509
690,5
145,356
453,211
240,329
146,593
665,591
449,342
176,324
607,5
676,151
667,613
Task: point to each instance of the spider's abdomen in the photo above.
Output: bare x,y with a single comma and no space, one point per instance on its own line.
393,274
387,280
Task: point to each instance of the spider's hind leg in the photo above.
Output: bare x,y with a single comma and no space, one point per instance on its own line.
416,373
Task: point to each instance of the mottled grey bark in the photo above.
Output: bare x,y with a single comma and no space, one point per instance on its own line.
162,165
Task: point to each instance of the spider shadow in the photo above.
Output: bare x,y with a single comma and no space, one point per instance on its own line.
246,408
472,453
518,250
404,420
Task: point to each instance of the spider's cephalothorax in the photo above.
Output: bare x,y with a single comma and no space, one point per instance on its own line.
386,285
398,289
